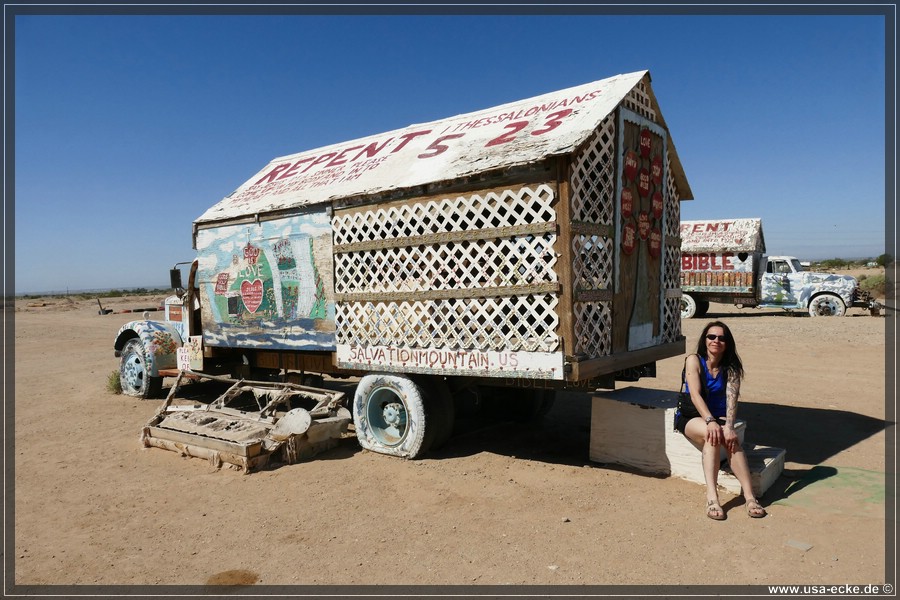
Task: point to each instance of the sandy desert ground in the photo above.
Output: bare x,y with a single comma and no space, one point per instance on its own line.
504,504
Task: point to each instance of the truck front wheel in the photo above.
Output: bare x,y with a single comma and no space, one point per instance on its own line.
688,306
389,415
133,376
827,305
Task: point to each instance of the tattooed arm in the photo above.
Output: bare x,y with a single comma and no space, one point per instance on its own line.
732,392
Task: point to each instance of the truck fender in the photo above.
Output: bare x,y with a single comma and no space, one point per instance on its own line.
161,341
816,284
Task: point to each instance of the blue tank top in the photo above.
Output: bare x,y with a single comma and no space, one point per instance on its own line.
715,389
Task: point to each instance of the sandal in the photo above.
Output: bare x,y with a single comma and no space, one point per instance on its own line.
755,509
714,510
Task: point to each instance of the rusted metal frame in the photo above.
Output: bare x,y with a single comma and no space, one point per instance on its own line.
446,237
493,292
565,307
317,362
323,397
588,369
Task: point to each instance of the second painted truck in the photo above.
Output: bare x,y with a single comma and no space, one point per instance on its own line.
725,261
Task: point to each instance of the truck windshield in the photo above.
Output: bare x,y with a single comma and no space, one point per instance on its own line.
798,268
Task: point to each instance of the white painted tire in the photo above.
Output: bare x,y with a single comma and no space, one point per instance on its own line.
133,376
688,306
389,415
827,305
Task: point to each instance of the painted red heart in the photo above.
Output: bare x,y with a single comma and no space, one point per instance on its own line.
252,294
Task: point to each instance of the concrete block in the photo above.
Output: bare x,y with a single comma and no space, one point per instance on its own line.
634,427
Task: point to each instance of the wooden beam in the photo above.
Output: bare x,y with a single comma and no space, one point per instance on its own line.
595,367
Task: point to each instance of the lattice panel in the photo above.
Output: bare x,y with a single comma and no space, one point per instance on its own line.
593,181
593,328
673,203
638,100
475,264
455,247
518,323
672,275
592,185
464,213
672,267
671,319
592,262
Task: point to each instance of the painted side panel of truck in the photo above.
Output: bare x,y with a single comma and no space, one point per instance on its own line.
721,257
720,273
268,284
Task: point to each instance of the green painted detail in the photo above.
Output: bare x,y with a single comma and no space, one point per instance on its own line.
837,489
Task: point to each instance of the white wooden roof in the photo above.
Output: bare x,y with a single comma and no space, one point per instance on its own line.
723,235
513,134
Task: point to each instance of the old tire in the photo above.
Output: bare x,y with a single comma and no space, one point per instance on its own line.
827,305
688,306
389,416
133,376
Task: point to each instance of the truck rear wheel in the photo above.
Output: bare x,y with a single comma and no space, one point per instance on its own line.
133,375
389,416
440,412
521,405
827,305
702,308
688,306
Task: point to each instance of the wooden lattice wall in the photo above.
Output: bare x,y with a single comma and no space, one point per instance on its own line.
592,193
485,270
472,272
594,238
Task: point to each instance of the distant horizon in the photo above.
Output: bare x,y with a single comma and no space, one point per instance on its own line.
166,286
91,290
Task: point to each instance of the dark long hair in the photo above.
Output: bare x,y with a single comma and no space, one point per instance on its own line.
731,362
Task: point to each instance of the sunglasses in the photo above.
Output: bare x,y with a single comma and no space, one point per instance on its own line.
712,336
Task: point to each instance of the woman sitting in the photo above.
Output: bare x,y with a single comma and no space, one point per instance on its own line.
718,365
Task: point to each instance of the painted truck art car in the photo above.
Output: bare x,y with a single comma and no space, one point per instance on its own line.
724,261
531,247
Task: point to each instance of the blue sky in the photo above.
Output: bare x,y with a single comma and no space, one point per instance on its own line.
127,128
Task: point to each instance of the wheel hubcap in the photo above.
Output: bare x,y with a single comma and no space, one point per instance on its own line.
387,417
826,308
133,373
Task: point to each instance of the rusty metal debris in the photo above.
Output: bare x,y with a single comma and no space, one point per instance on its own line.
248,439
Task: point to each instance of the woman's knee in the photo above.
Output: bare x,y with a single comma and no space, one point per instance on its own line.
695,431
736,448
